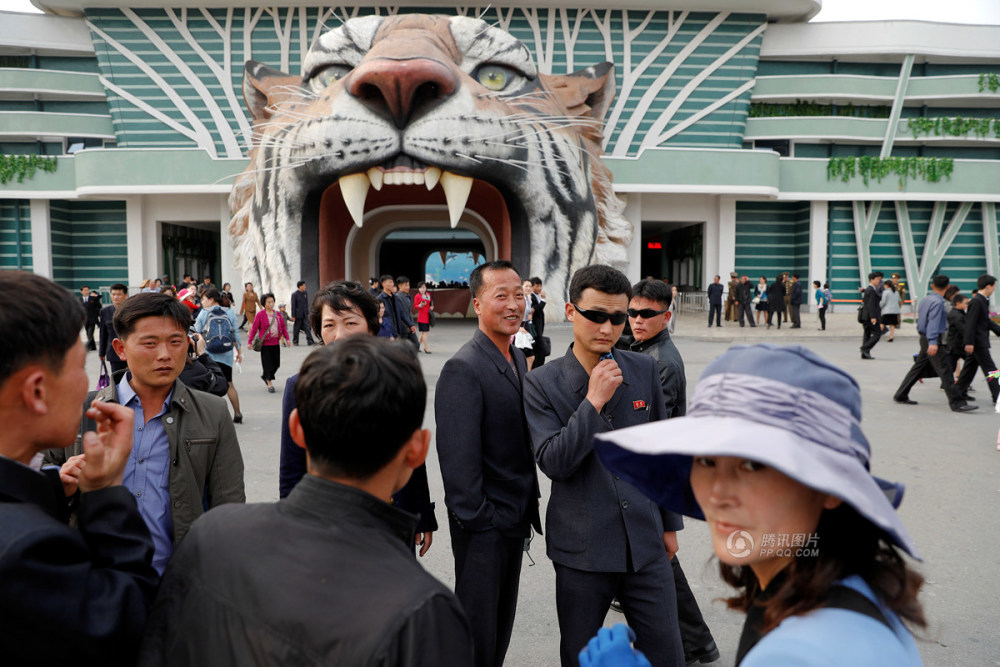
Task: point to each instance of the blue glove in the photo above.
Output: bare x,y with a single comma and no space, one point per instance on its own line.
612,647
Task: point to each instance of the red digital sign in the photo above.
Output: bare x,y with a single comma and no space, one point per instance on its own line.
654,245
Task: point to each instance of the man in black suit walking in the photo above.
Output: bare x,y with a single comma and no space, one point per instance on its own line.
605,539
300,313
978,326
538,319
871,314
92,306
490,484
795,301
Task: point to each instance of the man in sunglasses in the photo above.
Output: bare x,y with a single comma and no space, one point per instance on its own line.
605,539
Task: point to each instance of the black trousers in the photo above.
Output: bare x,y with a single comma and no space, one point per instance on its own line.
746,310
927,366
771,313
487,574
270,360
822,317
980,358
796,318
695,634
647,597
89,328
715,309
302,324
872,333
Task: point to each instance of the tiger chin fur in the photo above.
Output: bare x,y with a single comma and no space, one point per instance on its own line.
538,139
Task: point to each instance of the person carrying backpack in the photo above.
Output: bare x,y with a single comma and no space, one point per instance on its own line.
822,302
217,324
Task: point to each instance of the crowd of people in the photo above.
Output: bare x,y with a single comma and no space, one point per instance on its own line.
766,303
123,524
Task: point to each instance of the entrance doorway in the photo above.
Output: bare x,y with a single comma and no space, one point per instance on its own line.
433,255
673,251
192,247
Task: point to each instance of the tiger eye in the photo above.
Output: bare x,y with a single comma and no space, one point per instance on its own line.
493,77
328,75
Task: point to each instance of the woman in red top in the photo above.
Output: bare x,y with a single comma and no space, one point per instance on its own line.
269,325
422,302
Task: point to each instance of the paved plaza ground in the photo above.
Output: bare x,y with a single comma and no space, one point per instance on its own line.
949,463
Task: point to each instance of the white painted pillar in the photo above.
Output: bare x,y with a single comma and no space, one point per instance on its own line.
135,241
633,213
41,238
726,249
228,268
819,223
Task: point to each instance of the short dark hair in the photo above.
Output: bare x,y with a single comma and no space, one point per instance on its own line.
149,304
384,277
476,278
957,299
873,275
187,275
267,295
654,290
359,401
600,277
119,287
816,283
535,280
343,295
84,286
216,296
300,284
795,275
39,320
402,280
207,278
168,289
985,280
941,281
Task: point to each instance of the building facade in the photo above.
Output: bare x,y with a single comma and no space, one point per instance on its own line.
741,138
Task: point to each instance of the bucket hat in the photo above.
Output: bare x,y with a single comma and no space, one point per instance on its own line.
783,406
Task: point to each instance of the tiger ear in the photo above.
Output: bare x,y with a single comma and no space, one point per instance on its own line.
258,80
585,92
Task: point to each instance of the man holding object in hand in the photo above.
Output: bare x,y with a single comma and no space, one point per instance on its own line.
66,596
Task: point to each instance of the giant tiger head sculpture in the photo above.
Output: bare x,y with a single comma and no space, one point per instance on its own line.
440,103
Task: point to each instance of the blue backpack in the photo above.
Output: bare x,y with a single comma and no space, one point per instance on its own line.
218,332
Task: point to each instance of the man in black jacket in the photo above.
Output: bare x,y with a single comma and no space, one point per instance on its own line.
300,313
490,483
326,575
92,306
67,596
978,326
605,539
871,314
715,302
106,351
745,298
776,299
795,301
955,336
537,306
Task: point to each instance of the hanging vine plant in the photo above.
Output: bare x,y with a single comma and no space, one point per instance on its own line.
21,167
807,108
870,167
989,81
954,127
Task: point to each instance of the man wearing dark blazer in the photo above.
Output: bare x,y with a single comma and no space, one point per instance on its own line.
715,302
871,314
106,351
978,326
92,306
795,301
538,319
605,539
490,483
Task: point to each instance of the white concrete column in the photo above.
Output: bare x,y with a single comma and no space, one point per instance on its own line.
819,223
41,238
726,241
135,241
633,213
228,269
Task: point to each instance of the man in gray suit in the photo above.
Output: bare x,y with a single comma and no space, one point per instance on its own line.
490,483
605,539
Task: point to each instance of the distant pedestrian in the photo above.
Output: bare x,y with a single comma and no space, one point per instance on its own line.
715,302
955,346
829,297
92,306
745,300
760,300
251,304
105,350
675,300
822,303
300,313
891,306
776,299
871,314
404,311
732,298
270,326
424,305
537,299
977,338
795,301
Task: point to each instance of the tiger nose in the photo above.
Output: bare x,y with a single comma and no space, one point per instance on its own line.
401,88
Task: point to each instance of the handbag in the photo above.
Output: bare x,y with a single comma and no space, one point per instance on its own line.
257,343
105,379
545,346
432,318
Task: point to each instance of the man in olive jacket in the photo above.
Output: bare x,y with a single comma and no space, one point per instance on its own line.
185,454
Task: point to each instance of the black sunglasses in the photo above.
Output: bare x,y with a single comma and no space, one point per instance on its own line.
645,313
600,316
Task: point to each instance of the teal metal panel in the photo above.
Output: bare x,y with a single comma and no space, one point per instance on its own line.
15,234
772,237
721,128
89,243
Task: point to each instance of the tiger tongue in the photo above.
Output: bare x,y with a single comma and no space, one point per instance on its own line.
354,189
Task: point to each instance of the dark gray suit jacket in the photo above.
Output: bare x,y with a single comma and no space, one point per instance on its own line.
592,515
482,440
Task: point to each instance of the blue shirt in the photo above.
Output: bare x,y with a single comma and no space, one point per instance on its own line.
220,357
832,637
147,473
932,320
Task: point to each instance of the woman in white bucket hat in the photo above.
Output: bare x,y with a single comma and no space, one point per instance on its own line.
772,456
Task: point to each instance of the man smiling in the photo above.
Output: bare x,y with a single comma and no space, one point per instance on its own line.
605,539
185,455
